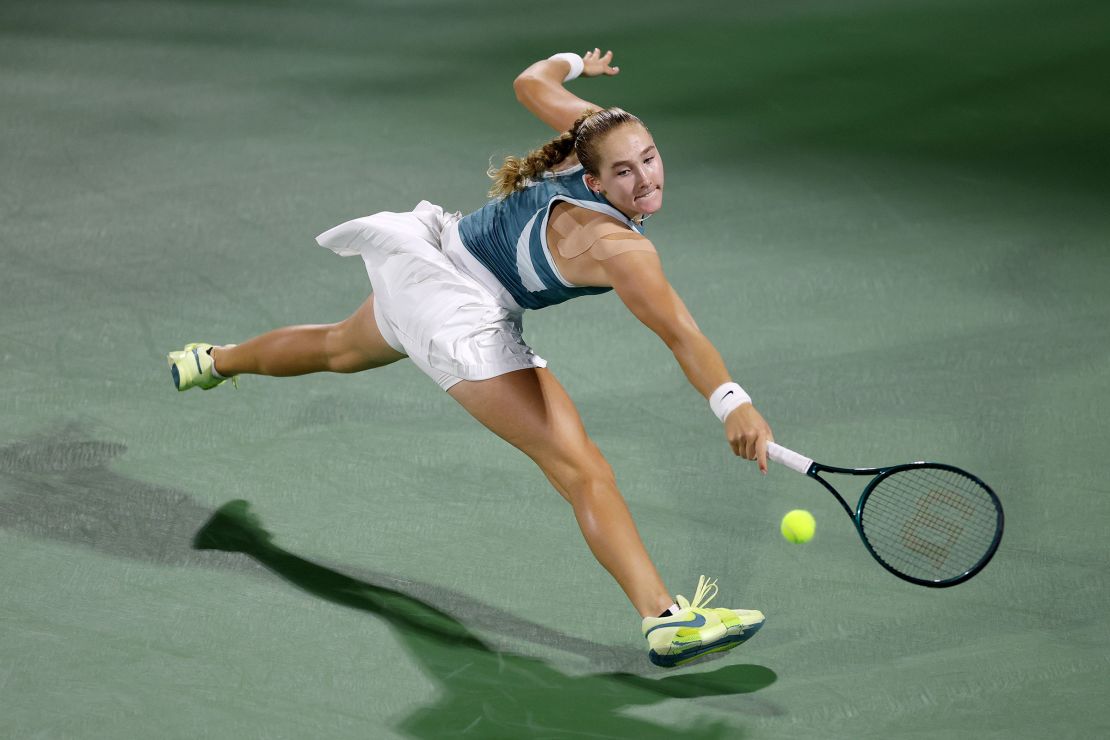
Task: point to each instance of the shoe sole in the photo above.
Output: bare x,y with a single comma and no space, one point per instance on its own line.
671,660
173,358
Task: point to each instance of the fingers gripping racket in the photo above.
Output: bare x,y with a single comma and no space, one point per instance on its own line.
927,523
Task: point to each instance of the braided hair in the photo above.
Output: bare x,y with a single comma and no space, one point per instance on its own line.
583,139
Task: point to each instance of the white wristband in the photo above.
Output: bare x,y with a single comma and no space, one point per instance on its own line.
575,62
726,398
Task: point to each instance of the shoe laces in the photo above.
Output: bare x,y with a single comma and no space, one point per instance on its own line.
707,590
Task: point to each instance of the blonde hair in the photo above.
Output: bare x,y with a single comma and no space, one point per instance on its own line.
583,139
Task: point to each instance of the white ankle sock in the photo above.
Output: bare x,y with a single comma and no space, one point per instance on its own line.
215,374
671,611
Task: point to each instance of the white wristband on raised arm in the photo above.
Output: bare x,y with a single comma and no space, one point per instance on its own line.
575,62
726,398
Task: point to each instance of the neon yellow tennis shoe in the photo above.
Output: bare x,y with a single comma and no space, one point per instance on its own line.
192,368
697,631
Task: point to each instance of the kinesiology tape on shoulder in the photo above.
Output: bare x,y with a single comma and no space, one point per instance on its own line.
567,225
581,230
610,245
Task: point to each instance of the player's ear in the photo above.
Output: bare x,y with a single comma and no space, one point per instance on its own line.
593,183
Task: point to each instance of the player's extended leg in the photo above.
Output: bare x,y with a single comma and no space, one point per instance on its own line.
349,346
530,410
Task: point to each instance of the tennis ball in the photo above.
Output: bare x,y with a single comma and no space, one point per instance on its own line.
798,525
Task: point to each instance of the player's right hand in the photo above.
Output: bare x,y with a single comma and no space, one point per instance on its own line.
748,434
597,64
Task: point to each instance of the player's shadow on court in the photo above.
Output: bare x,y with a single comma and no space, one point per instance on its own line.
59,486
485,692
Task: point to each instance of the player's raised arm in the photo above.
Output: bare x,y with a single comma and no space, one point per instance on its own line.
637,277
540,87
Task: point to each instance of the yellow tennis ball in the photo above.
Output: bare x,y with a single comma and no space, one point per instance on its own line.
798,526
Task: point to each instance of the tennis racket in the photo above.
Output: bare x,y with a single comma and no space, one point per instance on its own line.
927,523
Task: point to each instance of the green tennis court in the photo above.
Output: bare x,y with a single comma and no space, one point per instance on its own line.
889,217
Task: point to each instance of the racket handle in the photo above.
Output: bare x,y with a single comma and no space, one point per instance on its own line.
789,458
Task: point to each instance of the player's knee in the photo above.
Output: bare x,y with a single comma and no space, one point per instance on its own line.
355,344
586,473
341,348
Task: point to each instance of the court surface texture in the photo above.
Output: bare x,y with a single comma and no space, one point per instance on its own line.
889,217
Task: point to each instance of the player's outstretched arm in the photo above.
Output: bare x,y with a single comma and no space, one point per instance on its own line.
638,279
540,88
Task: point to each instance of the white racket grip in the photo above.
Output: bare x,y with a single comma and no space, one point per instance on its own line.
789,458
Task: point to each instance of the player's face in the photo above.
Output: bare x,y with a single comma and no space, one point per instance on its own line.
631,175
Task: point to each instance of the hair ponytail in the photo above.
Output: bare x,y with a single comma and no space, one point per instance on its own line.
582,139
511,175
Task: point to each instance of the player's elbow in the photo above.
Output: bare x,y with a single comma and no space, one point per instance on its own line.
524,86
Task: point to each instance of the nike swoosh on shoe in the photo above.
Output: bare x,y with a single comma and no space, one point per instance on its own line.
697,621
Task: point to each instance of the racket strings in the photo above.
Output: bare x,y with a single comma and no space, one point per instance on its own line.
929,523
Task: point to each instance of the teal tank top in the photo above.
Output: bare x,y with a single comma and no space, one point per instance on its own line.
509,237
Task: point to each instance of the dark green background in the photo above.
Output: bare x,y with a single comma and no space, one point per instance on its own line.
890,217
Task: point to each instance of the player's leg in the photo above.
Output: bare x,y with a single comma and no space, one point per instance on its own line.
530,410
348,346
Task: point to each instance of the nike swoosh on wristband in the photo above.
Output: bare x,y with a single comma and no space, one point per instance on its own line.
727,395
697,621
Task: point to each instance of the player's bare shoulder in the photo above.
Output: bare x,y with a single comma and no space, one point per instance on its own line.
611,238
581,231
582,239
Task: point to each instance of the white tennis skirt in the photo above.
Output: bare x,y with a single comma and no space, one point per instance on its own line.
432,300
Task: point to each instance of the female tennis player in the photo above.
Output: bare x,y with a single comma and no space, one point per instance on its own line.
448,292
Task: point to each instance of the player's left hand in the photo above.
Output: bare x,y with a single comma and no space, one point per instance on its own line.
748,434
597,64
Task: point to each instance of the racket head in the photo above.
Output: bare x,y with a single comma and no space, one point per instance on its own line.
929,523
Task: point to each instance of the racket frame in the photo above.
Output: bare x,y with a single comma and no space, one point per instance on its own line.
878,475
